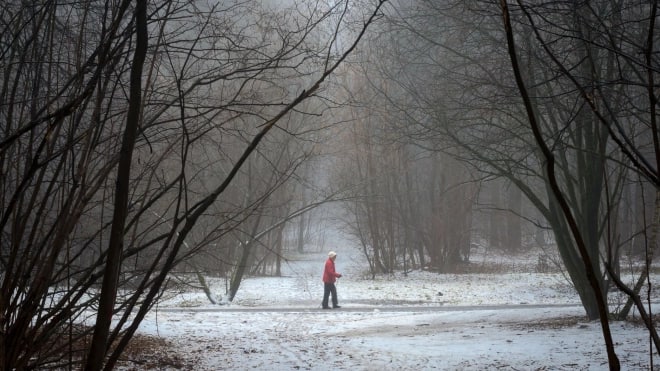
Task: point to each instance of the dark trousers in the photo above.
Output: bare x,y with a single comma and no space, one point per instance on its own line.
329,288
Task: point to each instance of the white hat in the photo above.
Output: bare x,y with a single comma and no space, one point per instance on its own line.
332,254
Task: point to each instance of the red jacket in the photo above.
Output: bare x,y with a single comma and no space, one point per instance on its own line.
329,274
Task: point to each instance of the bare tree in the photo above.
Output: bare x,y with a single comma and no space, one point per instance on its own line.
610,104
591,273
458,97
77,208
109,287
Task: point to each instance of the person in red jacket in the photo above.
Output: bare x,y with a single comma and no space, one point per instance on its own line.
329,278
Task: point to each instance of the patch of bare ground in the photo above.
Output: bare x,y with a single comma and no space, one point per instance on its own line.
572,321
67,350
553,323
152,353
637,320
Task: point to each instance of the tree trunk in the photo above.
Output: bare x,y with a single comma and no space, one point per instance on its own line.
572,260
513,225
240,270
279,250
205,287
99,346
650,252
301,233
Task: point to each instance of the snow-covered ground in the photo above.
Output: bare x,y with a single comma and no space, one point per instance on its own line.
513,321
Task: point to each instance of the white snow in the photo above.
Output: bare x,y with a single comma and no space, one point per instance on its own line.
422,321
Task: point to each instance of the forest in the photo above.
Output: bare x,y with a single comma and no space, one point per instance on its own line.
150,144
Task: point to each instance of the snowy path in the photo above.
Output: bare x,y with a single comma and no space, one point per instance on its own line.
359,309
525,337
522,320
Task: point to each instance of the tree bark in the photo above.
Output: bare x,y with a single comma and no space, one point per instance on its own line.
99,345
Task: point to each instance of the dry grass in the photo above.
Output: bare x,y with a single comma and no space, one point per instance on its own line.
152,353
67,351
